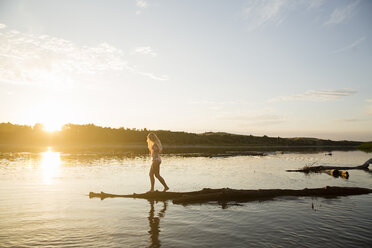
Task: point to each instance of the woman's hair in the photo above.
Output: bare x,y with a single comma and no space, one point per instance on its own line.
153,139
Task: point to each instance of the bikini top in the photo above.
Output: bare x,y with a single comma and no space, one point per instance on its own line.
154,151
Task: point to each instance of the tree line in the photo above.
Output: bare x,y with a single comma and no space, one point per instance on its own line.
90,134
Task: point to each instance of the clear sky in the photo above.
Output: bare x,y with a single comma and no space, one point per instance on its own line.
281,68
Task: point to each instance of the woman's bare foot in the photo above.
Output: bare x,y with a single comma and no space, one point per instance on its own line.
165,189
150,191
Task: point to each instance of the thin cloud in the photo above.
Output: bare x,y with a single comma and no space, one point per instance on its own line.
42,59
146,50
2,26
142,5
153,76
136,70
254,119
314,4
316,95
260,13
350,46
341,14
353,120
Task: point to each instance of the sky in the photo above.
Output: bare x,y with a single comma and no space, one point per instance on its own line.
279,68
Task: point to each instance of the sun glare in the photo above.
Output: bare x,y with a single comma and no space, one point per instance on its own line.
50,164
52,126
51,114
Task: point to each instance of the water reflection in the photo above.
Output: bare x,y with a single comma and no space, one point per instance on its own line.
154,222
50,165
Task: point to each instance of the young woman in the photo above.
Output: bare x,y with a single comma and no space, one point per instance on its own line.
155,147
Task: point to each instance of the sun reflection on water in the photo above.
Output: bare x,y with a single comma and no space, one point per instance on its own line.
50,164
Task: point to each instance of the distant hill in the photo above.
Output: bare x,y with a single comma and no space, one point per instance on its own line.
90,134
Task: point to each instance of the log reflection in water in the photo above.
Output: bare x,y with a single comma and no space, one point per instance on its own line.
154,222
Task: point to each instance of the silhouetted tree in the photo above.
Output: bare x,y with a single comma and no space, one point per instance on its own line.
90,134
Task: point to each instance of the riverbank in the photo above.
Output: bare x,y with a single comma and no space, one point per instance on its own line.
185,150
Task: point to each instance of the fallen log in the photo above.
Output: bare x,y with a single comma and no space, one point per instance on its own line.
238,195
156,195
308,169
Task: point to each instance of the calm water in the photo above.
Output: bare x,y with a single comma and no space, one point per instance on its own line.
44,202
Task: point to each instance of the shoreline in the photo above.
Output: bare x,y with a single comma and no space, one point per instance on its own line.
138,149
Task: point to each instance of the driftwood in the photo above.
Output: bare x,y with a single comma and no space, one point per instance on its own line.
308,169
228,195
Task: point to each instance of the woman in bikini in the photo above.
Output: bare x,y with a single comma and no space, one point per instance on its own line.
155,147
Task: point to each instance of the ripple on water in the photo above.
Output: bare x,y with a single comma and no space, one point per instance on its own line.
35,212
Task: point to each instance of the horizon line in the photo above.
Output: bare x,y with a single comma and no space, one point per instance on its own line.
143,129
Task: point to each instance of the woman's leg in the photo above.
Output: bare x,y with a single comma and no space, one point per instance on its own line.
152,178
156,169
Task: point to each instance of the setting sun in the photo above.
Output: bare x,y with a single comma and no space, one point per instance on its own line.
50,113
52,126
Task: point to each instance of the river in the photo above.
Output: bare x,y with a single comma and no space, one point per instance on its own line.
44,201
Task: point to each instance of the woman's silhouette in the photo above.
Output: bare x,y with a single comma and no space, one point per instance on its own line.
155,147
